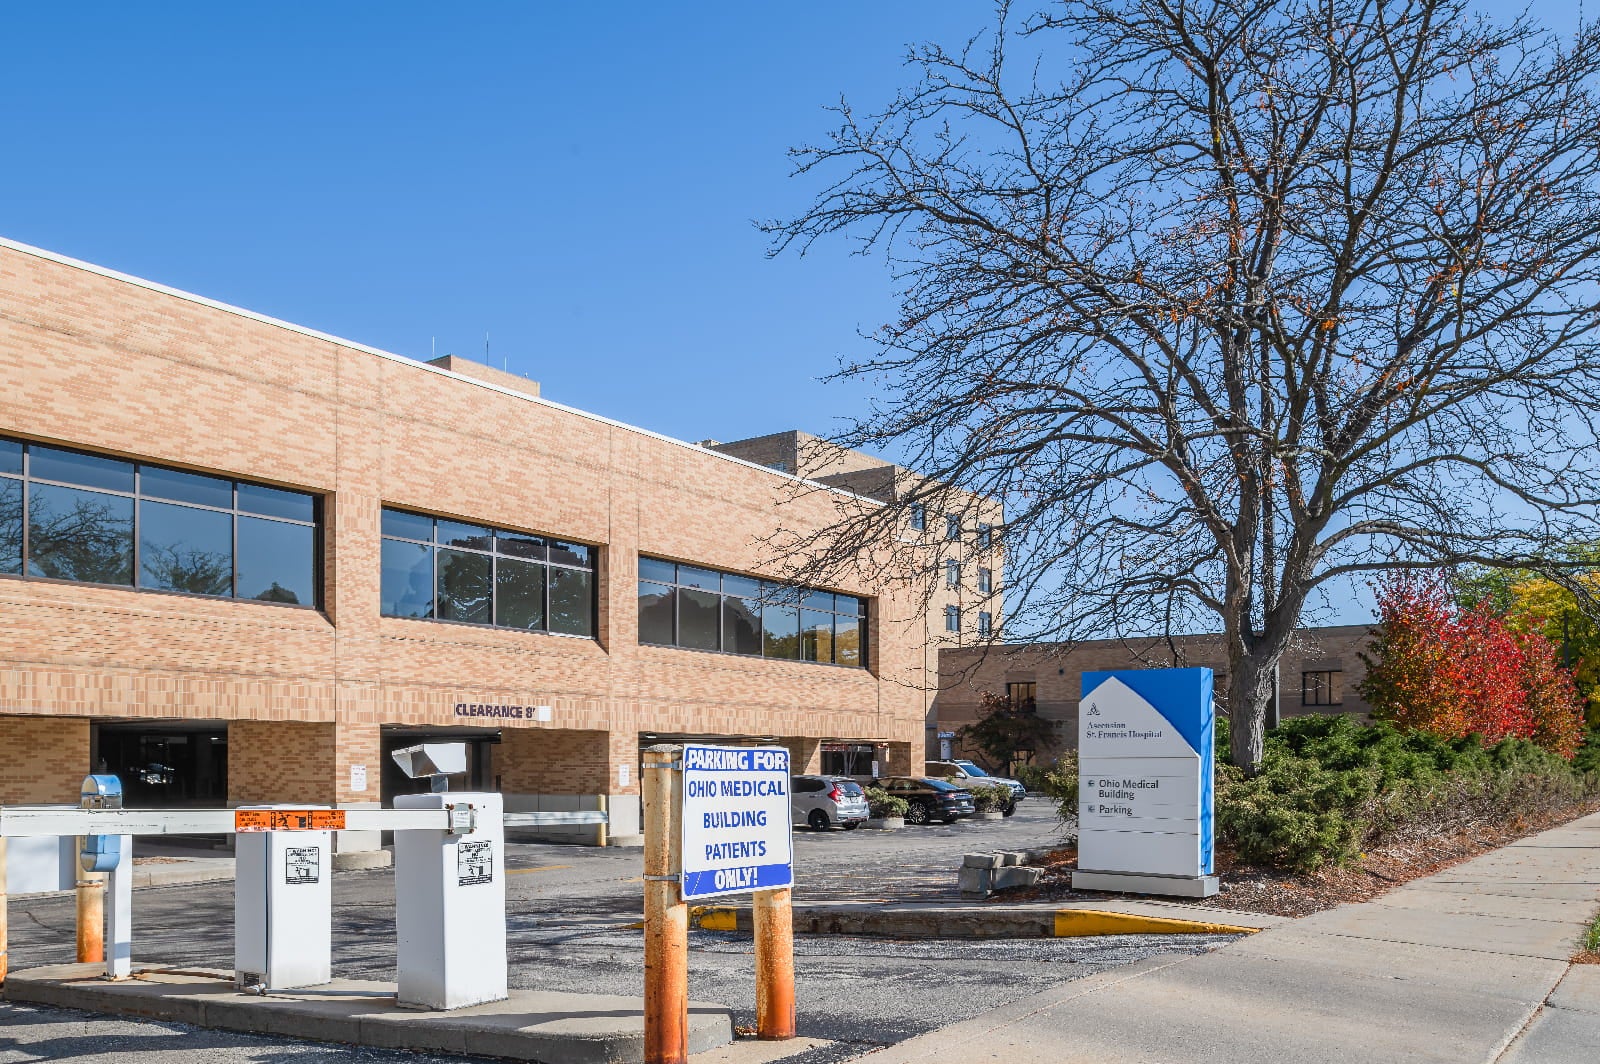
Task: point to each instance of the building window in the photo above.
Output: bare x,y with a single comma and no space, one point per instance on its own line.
919,517
985,623
952,618
68,515
707,609
985,537
952,526
952,573
1023,696
986,581
443,570
1320,688
848,759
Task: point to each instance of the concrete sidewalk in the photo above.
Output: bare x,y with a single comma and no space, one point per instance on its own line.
1470,965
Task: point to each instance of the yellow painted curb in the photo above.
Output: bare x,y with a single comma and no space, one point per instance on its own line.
711,919
1080,923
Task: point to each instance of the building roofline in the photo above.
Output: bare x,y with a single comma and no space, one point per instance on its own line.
278,323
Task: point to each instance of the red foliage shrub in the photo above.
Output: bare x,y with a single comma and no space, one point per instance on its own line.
1437,668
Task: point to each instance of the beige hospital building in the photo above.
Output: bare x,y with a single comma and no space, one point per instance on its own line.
241,561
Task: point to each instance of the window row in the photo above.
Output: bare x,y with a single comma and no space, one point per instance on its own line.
705,609
66,515
952,620
918,520
443,570
952,577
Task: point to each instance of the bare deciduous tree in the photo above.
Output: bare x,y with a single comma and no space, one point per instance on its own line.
1229,299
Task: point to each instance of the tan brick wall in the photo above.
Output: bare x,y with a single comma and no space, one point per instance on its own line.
217,391
280,762
44,760
1057,670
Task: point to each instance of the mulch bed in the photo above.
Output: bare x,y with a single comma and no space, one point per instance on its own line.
1257,889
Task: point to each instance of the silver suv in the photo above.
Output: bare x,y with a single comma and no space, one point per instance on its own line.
823,801
967,774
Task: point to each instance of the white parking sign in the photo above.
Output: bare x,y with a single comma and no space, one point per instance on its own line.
736,831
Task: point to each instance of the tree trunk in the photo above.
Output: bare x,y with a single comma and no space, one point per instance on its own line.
1249,692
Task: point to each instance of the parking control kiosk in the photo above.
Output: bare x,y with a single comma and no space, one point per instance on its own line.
450,904
283,907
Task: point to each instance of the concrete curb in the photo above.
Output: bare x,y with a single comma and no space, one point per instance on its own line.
972,922
529,1025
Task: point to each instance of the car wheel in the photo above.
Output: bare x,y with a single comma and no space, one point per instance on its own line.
852,825
917,813
818,820
1011,807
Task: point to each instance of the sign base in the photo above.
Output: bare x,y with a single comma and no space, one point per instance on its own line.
1134,883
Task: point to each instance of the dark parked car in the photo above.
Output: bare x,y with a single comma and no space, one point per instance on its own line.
929,799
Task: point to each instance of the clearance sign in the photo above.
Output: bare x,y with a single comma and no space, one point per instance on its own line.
736,831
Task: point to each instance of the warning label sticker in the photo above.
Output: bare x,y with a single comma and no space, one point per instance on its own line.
288,820
474,863
302,864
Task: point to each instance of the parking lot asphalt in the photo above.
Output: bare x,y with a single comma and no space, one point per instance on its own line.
568,908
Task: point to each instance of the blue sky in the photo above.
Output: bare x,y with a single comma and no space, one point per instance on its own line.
576,181
406,175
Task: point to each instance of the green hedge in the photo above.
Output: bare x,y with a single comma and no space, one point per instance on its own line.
1330,787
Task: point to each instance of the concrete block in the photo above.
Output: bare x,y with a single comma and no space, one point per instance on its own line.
976,881
981,860
1011,858
1017,876
357,860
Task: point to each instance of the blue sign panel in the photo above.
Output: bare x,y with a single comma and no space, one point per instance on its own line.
736,831
1146,752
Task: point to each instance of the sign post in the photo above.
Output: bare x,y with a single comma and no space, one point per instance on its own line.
1145,761
666,917
716,823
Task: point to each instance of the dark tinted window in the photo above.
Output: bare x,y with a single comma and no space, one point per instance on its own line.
657,570
689,576
10,526
277,561
407,579
464,587
656,605
520,545
780,631
182,548
744,615
456,534
89,470
850,788
816,635
699,619
275,502
741,625
80,535
191,536
476,574
401,525
571,601
562,553
519,594
185,487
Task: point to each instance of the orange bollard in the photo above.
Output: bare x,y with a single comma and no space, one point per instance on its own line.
774,933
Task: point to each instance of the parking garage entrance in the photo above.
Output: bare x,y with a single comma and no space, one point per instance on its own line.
164,763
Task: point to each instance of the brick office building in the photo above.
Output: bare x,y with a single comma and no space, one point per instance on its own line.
958,552
241,560
1318,674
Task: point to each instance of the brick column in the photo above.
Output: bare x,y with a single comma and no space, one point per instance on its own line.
46,759
564,770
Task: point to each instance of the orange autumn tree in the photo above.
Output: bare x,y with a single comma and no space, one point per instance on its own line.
1434,666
